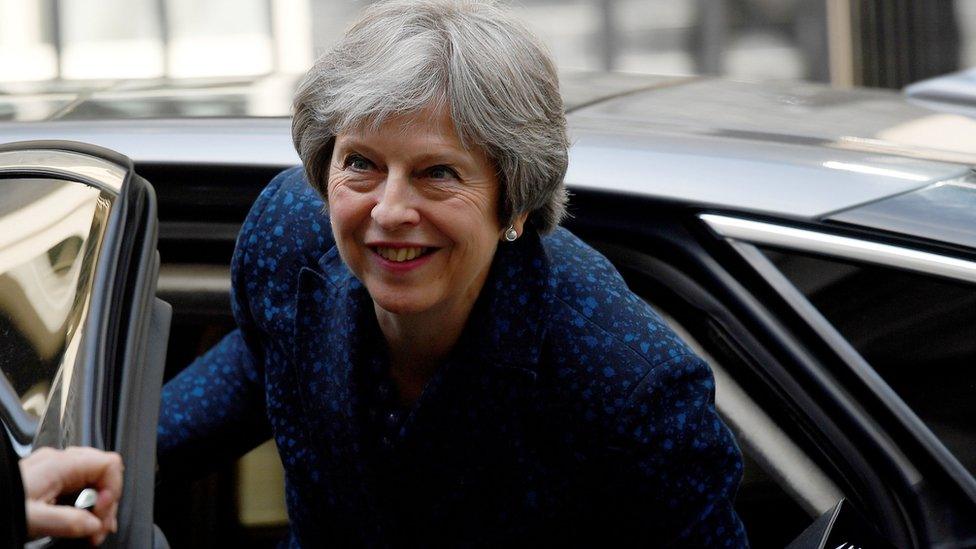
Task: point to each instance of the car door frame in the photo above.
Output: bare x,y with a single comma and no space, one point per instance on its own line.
117,373
941,477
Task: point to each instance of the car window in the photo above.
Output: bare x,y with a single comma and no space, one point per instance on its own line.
50,230
917,331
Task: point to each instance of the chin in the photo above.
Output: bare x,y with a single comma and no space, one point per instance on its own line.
399,304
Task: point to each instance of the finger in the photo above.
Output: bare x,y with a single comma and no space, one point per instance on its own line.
109,520
114,527
97,539
108,515
38,482
49,473
105,504
82,467
44,519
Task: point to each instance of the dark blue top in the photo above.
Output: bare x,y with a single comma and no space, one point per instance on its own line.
568,412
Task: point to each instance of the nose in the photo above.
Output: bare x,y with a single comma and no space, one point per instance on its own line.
395,206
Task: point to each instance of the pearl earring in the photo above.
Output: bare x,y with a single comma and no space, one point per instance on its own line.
511,234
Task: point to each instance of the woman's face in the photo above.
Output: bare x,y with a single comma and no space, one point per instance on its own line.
414,214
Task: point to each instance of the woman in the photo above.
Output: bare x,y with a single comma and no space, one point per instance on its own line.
437,362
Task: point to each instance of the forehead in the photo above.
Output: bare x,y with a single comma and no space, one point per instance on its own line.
433,123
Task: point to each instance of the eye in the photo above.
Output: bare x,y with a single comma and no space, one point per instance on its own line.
441,172
357,163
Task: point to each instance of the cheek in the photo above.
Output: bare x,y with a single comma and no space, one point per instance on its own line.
344,229
469,221
346,210
478,236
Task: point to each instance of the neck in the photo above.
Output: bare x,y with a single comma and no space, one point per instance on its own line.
419,343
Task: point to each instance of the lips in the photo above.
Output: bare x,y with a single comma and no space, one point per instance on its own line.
400,254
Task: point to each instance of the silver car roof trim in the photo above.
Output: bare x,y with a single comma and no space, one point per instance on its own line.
850,248
98,172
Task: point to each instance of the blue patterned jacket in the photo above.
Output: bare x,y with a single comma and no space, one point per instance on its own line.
568,413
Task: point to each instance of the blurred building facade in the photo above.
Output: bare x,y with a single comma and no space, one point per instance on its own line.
871,42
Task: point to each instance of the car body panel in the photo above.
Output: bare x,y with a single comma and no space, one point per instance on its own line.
787,109
756,176
251,141
820,150
269,96
800,179
142,99
581,88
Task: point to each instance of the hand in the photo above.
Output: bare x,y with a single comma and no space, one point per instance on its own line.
48,473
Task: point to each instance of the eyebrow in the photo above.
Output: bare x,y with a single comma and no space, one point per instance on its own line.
452,156
354,144
441,158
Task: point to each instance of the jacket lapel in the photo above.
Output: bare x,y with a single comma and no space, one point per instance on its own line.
328,326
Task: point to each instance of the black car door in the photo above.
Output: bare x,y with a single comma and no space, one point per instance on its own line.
82,335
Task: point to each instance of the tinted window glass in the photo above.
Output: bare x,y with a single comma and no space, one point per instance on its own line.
917,331
49,234
942,212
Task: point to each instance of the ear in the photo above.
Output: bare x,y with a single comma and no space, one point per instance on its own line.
518,222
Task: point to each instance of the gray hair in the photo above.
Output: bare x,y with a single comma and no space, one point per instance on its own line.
496,77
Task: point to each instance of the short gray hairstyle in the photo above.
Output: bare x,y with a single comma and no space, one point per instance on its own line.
496,77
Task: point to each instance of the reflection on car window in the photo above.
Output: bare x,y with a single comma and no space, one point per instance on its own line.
917,331
49,234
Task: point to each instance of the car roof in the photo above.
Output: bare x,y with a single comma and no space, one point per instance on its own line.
781,148
267,96
786,149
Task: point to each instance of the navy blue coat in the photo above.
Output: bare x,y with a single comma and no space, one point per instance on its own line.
568,412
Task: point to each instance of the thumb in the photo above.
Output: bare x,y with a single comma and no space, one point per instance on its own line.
60,521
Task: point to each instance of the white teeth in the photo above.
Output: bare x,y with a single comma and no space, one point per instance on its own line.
399,254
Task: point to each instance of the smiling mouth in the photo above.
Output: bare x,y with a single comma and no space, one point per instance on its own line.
401,255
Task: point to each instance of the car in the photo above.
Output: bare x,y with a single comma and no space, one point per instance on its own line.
817,246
